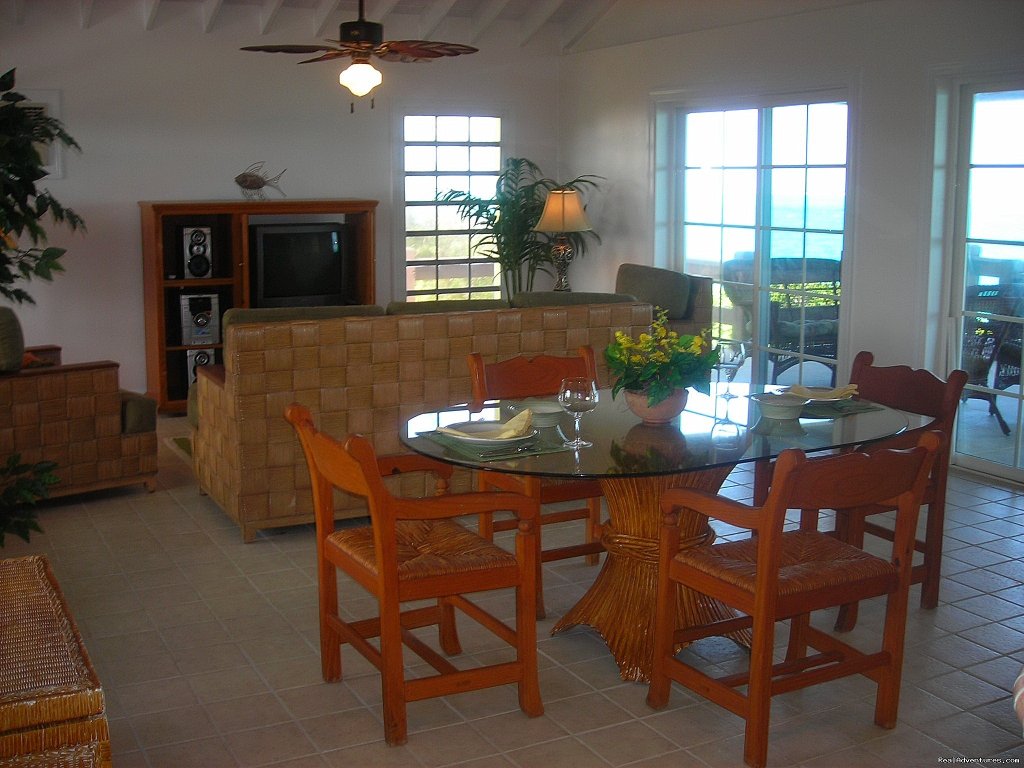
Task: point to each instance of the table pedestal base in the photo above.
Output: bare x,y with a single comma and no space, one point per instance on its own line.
620,603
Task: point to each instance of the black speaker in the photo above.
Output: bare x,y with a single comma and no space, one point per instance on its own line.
197,358
200,320
198,251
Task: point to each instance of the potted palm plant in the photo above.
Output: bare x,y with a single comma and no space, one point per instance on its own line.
24,256
509,218
23,205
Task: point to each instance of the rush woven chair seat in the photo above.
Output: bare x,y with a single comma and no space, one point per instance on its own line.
414,551
539,376
918,392
776,575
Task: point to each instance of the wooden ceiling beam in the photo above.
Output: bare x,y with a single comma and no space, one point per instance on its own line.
149,11
268,13
322,13
583,21
487,15
433,16
539,15
84,12
210,10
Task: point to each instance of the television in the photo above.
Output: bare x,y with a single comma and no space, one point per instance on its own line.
302,265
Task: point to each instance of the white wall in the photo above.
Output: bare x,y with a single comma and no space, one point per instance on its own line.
175,114
887,55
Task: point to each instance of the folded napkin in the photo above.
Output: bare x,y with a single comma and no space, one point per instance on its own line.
817,394
519,425
486,453
835,408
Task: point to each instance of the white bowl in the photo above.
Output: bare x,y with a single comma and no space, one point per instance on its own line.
780,406
546,413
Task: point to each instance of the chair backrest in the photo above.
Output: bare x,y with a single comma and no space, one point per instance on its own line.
355,468
909,389
851,480
665,288
525,376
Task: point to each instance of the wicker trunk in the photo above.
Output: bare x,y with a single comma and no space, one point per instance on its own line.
51,704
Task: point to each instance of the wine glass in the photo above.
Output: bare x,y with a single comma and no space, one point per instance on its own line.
731,356
578,395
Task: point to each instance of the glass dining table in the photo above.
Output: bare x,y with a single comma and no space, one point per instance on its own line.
635,463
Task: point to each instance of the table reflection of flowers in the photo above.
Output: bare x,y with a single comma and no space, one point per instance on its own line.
649,448
659,362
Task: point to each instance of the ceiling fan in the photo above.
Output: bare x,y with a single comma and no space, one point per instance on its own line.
359,41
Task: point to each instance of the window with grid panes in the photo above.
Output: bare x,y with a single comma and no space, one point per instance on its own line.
442,153
758,203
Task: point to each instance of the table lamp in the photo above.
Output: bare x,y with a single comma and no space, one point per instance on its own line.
563,212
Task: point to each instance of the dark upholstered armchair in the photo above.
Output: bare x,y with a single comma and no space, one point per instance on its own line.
686,298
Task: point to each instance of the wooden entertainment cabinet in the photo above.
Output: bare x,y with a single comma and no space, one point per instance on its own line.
224,279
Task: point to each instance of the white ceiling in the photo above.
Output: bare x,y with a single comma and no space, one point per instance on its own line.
584,24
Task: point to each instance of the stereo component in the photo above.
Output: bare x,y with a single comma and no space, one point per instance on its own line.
198,251
200,320
197,358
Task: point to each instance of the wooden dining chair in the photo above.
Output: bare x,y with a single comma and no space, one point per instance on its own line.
539,376
776,575
413,551
919,392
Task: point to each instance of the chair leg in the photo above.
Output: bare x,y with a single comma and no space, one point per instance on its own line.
762,480
934,527
797,648
664,619
849,528
759,693
526,627
593,527
392,678
485,521
448,636
887,699
330,643
993,410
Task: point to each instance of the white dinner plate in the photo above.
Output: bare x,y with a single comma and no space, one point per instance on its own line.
471,427
814,392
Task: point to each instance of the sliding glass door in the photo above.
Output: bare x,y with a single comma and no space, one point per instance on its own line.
989,238
758,202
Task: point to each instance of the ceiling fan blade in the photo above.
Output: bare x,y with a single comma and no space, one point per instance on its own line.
420,50
287,48
329,56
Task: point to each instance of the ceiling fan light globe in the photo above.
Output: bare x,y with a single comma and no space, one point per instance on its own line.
360,78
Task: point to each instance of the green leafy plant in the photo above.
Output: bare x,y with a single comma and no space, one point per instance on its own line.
660,361
510,216
21,486
23,205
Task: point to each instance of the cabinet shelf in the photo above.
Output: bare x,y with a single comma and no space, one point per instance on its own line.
197,265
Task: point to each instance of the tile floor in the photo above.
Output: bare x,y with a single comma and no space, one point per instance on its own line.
207,649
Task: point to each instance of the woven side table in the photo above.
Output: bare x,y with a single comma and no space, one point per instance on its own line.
51,703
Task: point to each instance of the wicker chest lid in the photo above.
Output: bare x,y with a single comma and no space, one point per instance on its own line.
45,673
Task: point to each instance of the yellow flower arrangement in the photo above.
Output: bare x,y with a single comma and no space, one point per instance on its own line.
660,361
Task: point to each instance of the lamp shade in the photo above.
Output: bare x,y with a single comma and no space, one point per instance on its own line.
563,212
360,78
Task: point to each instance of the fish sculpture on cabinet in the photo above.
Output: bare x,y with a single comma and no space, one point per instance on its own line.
252,181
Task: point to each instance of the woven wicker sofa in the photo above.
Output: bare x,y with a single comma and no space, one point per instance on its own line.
76,415
363,374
